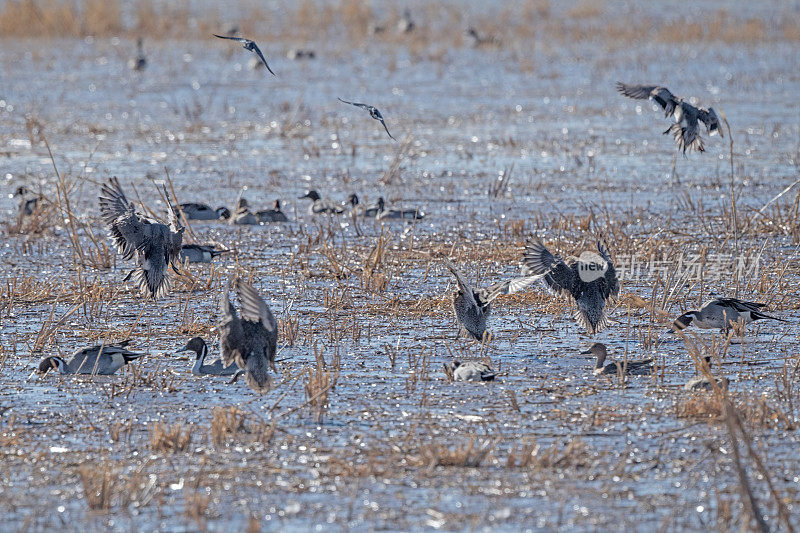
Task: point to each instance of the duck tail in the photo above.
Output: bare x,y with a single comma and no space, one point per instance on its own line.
257,375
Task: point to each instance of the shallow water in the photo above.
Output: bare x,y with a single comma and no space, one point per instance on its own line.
576,146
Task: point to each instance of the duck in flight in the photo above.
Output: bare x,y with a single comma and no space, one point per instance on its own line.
373,112
685,131
570,279
248,44
155,246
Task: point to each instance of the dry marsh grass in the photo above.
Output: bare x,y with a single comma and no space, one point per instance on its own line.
357,22
170,438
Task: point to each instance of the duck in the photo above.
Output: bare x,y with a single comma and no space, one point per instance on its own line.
216,368
296,54
357,209
196,211
272,215
685,131
248,44
242,216
638,367
200,253
722,313
318,205
250,341
479,40
27,201
473,308
703,383
139,61
155,246
373,112
577,279
470,371
91,360
408,214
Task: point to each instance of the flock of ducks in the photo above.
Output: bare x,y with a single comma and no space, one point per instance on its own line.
248,338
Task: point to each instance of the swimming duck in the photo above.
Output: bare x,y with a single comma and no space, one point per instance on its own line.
248,44
216,368
27,200
250,341
721,313
242,215
272,215
359,210
686,116
373,112
139,61
86,360
155,246
473,308
639,367
408,214
470,371
320,206
195,211
568,279
200,253
296,54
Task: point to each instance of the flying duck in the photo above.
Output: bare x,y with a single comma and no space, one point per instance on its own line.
155,246
373,112
248,44
250,341
569,279
685,131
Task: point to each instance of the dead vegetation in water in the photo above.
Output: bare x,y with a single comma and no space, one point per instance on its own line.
170,438
359,22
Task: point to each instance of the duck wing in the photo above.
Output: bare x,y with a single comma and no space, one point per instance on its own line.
127,229
558,275
254,308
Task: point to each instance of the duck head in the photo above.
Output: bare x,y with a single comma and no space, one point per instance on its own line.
683,321
713,123
598,350
310,194
224,213
196,345
353,199
47,364
381,207
276,205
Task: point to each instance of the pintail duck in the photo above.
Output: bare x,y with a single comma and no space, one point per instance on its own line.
470,371
248,44
272,215
250,341
722,313
702,383
686,116
638,367
408,214
357,209
242,216
195,211
155,246
139,61
473,308
577,278
91,360
27,200
318,205
216,368
373,112
200,253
